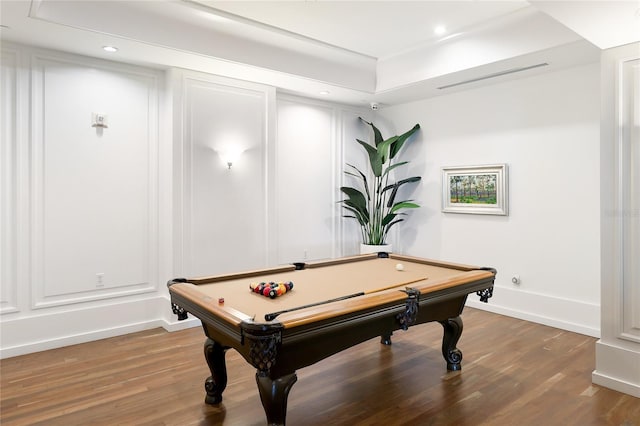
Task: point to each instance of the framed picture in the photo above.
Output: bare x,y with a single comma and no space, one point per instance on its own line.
475,189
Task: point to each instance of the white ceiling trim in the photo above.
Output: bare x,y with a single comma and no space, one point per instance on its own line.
198,35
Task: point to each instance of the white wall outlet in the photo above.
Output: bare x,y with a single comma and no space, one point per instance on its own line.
100,279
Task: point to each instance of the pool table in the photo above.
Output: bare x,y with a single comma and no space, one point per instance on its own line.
333,305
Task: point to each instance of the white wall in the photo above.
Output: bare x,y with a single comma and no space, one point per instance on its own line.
95,221
221,214
308,168
149,198
546,128
82,240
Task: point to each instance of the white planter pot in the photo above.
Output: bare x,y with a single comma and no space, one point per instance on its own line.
367,248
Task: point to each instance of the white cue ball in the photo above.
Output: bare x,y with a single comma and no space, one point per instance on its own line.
400,267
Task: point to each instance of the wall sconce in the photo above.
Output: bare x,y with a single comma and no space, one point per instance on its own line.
99,120
230,156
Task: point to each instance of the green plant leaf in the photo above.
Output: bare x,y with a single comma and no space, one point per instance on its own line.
383,149
355,196
357,215
386,229
365,184
403,205
377,136
396,186
393,166
375,159
388,218
395,148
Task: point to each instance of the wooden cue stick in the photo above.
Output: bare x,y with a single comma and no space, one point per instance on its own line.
272,316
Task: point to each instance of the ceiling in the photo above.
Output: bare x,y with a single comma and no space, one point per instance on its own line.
357,51
375,28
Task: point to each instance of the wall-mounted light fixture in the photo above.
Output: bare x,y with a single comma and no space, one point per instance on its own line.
99,120
230,155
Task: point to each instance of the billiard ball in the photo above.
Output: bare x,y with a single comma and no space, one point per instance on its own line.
400,267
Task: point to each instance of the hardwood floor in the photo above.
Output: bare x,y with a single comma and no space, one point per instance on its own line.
514,373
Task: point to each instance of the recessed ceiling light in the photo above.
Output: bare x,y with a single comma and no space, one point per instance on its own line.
324,92
440,29
110,48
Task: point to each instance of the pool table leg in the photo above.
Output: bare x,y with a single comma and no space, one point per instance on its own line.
452,333
274,394
214,353
385,339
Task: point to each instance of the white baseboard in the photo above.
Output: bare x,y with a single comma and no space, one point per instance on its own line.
176,325
616,384
618,367
74,339
59,328
565,314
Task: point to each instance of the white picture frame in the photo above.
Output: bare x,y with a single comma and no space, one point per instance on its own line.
475,189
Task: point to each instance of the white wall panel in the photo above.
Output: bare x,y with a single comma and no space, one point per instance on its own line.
629,302
8,183
95,190
305,184
618,350
546,128
224,210
314,140
77,201
353,128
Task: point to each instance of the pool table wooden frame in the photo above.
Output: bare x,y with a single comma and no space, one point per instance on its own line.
307,335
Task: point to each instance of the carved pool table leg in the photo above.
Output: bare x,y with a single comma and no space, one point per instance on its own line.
274,394
214,353
452,333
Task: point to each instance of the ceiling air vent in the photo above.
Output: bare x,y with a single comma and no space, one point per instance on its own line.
495,74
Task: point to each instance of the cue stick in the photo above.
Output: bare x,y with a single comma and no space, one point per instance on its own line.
272,316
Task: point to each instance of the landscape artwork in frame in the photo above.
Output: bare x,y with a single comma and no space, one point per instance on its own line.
475,189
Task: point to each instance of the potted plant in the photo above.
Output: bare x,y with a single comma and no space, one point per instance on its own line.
372,203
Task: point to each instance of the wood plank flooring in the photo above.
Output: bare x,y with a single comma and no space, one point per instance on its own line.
514,373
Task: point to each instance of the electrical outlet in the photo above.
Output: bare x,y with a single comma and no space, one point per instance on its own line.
100,279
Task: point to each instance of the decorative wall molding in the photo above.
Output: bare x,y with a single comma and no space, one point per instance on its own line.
213,114
306,148
618,350
82,207
628,140
9,182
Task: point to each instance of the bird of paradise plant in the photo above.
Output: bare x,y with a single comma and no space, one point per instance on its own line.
373,202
